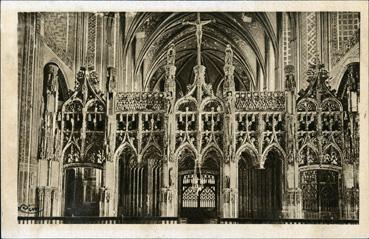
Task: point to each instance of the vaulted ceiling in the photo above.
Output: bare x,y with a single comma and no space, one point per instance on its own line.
246,37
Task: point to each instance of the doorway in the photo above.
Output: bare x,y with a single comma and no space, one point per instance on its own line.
260,190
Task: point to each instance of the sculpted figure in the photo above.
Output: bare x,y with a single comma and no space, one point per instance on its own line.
53,79
171,55
228,55
199,24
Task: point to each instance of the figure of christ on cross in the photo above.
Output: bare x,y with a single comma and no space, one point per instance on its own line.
199,24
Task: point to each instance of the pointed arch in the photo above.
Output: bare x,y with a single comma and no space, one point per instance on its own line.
71,143
249,148
70,101
122,147
183,147
209,100
277,148
306,104
313,158
212,146
151,151
334,100
184,100
330,157
212,161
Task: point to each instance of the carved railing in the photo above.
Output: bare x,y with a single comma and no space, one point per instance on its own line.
260,101
137,101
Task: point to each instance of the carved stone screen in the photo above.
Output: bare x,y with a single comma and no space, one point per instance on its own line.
189,117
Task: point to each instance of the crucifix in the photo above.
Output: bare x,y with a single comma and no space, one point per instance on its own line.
199,24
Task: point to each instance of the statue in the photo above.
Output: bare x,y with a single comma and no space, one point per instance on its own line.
171,55
229,102
52,83
227,182
228,60
169,99
229,153
94,80
199,24
290,84
80,78
171,177
112,83
208,89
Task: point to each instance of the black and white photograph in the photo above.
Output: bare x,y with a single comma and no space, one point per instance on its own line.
188,117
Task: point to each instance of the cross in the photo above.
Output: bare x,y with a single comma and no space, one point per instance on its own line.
198,23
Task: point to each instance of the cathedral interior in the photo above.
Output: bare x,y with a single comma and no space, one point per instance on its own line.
185,117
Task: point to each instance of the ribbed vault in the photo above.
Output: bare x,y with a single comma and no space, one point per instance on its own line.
162,29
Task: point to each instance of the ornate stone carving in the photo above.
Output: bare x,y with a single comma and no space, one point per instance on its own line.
52,80
260,101
140,101
228,60
171,55
112,84
290,83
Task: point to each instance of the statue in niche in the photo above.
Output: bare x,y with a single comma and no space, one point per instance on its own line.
52,83
229,102
290,84
70,158
169,99
80,78
228,60
227,195
112,85
94,79
171,177
171,55
229,154
227,182
75,158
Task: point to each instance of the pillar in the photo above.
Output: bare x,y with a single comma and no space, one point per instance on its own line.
260,77
138,79
108,191
291,207
169,187
324,29
270,66
49,162
229,180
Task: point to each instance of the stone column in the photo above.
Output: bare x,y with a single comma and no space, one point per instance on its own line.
104,203
109,195
270,66
324,39
100,45
169,187
46,197
260,77
229,180
291,207
49,162
138,81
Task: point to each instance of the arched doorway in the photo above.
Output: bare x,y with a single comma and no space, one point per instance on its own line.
82,185
132,185
199,204
153,158
260,190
